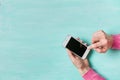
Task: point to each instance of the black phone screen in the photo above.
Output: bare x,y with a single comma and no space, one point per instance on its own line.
76,47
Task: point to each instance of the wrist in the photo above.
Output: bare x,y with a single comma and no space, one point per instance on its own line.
83,70
110,41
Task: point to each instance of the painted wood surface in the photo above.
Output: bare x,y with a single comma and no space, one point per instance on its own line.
32,33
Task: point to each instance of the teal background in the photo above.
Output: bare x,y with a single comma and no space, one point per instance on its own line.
32,33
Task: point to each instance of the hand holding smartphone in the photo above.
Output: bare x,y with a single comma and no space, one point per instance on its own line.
76,47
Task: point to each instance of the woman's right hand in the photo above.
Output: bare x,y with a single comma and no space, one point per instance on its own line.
101,41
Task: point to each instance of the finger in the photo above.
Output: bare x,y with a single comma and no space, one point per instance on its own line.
101,50
95,45
95,39
98,50
104,49
70,54
77,58
79,39
86,61
97,35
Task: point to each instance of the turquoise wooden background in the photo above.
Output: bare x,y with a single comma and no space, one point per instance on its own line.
32,32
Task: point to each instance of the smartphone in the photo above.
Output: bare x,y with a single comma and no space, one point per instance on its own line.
76,47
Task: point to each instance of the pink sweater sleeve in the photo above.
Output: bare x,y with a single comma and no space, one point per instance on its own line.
92,75
116,41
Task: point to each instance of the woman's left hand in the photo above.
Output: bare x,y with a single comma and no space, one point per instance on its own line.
81,64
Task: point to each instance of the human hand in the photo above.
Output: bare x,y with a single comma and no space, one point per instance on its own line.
101,41
81,65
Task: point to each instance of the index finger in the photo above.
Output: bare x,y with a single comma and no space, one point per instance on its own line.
95,45
95,39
